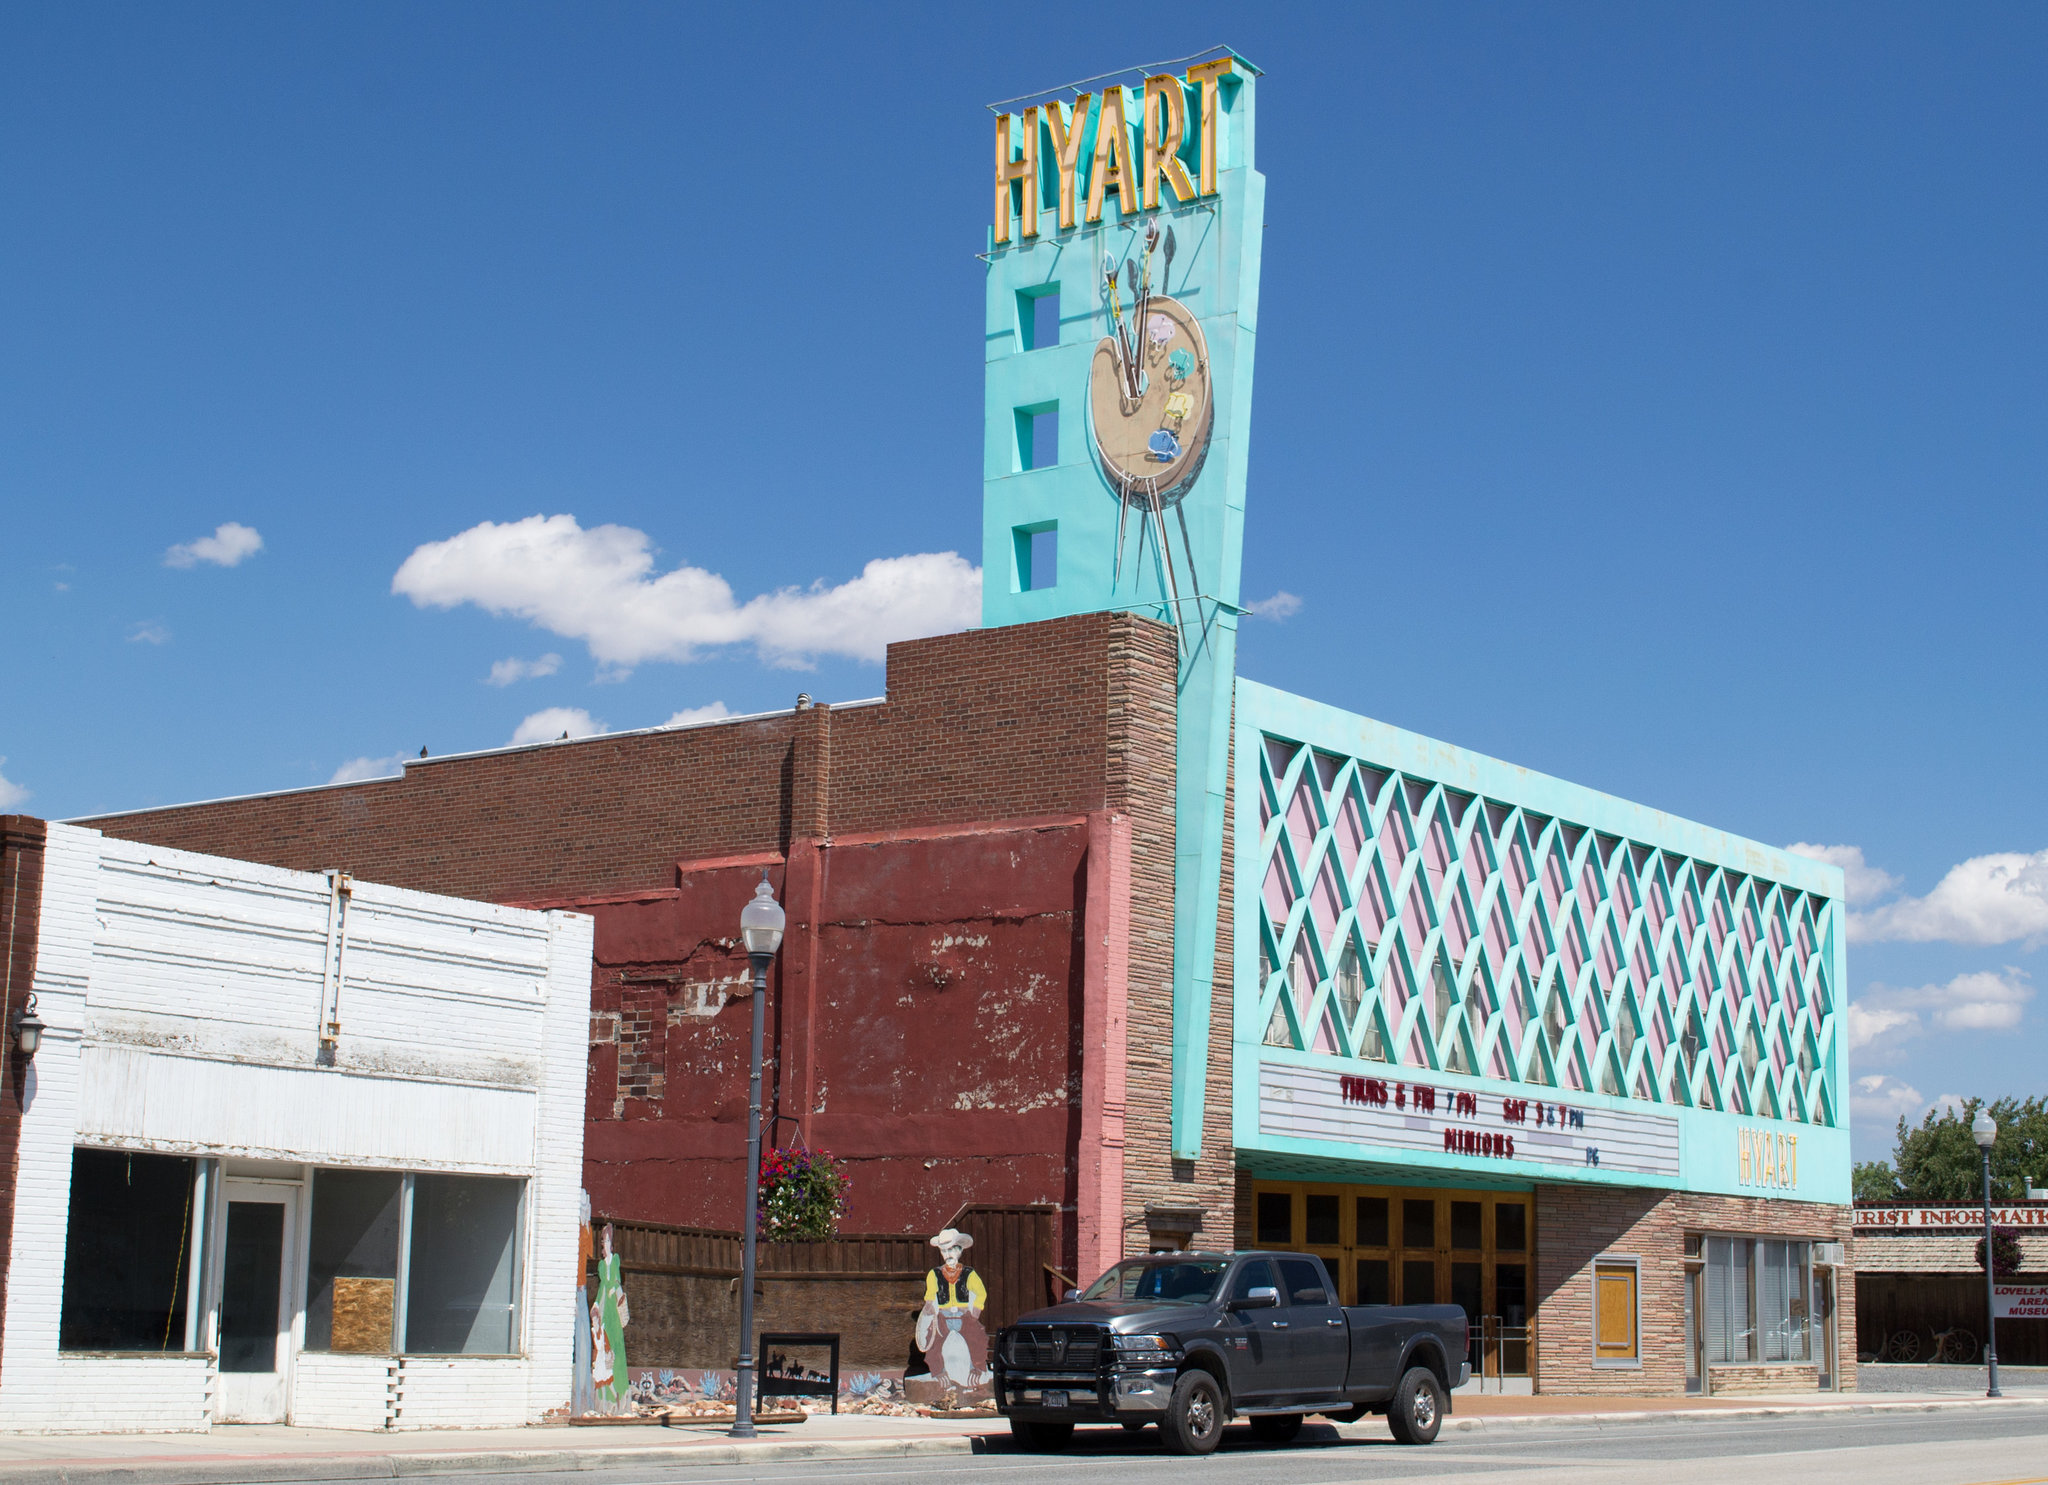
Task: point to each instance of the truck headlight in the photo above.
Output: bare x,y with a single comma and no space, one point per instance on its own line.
1145,1347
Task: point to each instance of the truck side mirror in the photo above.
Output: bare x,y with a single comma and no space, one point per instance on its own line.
1262,1297
1070,1296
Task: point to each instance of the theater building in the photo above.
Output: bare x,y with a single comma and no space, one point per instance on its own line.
1084,924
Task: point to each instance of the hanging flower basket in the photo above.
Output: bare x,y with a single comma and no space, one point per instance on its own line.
802,1196
2005,1252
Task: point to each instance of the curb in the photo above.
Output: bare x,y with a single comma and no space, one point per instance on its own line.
399,1465
1713,1415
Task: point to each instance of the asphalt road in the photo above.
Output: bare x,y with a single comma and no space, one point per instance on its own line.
1950,1448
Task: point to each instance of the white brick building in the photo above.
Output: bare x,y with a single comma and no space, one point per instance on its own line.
292,1149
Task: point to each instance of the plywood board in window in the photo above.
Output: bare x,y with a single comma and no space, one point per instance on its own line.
362,1315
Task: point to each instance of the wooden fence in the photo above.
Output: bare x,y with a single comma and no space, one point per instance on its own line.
683,1285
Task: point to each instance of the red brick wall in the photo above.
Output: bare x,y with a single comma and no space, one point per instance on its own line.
987,725
21,908
1576,1224
930,852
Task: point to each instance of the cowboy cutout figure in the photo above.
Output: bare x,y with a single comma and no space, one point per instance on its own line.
949,1329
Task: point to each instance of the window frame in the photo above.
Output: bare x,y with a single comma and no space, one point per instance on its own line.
522,1264
195,1256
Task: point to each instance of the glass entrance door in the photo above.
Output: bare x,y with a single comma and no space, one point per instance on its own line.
1695,1350
254,1336
1824,1324
1404,1245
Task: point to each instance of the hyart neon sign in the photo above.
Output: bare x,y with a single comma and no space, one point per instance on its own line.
1058,135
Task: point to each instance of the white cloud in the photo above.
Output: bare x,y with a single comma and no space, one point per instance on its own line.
149,632
230,543
1885,1099
1866,883
1883,1016
1867,1025
357,769
689,714
551,724
1282,605
600,586
11,793
1997,899
1985,1001
505,672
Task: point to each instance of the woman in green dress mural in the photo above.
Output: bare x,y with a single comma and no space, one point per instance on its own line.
609,1316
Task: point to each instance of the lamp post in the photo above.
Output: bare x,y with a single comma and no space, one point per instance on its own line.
1984,1130
761,927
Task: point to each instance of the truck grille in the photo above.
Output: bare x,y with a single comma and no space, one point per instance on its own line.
1050,1348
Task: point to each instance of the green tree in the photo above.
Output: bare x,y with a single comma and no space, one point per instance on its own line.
1872,1180
1939,1161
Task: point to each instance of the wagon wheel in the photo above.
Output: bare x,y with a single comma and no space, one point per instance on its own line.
1959,1346
1903,1346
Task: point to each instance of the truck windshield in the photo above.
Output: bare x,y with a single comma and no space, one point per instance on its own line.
1168,1281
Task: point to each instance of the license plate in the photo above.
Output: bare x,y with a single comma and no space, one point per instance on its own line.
1055,1399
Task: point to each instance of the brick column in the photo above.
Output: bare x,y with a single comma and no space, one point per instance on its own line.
21,908
804,883
1106,960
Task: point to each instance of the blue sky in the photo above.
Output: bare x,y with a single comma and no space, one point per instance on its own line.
1688,365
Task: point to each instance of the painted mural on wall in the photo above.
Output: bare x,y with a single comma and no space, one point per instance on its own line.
583,1398
949,1328
609,1317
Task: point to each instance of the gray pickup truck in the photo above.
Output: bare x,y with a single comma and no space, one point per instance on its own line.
1190,1340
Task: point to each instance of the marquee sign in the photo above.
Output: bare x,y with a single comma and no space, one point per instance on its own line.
1947,1218
1424,1118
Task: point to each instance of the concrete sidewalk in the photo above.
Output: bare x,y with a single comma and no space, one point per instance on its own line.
244,1454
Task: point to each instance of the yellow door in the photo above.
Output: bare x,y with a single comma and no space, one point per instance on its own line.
1614,1312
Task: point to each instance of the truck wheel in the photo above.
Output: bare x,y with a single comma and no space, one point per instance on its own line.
1276,1428
1041,1438
1417,1409
1194,1418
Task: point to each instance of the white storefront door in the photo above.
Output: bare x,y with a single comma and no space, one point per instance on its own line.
259,1249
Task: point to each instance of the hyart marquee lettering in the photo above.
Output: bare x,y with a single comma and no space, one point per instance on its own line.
1765,1158
1123,141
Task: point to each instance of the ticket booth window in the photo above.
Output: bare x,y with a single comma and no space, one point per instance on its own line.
1615,1320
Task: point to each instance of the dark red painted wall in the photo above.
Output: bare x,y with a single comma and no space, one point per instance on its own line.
922,1027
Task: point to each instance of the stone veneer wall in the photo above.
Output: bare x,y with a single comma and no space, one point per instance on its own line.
1576,1224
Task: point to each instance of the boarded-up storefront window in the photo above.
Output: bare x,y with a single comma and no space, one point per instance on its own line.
352,1261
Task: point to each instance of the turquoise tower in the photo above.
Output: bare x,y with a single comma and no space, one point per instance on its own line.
1122,315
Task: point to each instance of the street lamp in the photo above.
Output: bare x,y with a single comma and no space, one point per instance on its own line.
1984,1130
761,927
